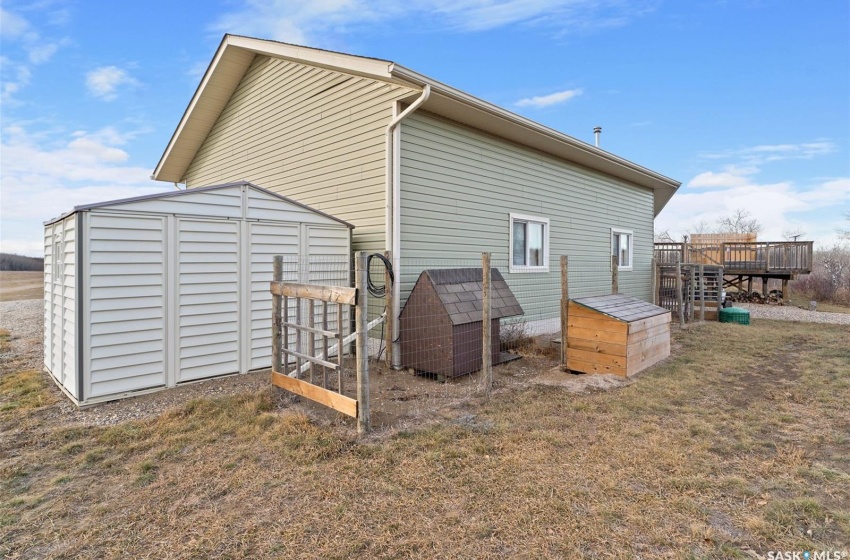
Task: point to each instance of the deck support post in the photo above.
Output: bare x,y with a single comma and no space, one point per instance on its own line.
702,293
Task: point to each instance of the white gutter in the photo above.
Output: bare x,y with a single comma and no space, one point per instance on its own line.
442,89
393,210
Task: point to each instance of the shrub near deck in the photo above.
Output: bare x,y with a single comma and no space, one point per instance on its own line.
712,454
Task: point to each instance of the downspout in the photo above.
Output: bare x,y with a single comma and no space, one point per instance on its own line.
393,210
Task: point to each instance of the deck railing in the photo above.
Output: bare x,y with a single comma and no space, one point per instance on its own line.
740,257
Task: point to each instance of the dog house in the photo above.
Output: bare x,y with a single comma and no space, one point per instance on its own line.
616,334
149,292
440,326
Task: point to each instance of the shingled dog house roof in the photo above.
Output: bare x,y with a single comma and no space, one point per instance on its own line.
460,290
623,308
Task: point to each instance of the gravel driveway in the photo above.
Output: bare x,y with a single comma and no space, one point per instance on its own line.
790,313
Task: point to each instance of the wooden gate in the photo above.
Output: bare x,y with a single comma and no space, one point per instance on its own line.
308,369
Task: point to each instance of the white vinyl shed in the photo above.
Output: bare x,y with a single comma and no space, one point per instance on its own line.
146,293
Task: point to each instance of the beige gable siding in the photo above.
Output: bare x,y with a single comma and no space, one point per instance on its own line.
459,186
310,134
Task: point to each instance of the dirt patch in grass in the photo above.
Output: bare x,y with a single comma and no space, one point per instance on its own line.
16,285
739,444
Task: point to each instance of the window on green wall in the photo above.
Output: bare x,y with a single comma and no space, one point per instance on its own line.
622,247
529,239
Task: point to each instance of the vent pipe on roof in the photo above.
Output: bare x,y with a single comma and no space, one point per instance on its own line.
596,132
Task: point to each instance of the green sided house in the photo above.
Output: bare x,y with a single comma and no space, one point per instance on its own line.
418,167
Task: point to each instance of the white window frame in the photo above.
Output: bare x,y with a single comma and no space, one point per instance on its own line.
533,219
631,234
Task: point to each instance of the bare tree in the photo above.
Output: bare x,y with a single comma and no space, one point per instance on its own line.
844,233
791,234
740,221
664,237
836,261
701,227
11,261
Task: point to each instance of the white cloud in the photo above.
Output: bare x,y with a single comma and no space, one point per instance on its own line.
39,183
27,47
304,21
14,77
777,206
766,153
16,27
815,207
104,82
731,176
42,53
549,100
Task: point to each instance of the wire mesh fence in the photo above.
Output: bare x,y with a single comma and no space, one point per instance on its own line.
315,269
440,328
445,320
437,330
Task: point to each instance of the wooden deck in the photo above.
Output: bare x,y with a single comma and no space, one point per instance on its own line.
766,259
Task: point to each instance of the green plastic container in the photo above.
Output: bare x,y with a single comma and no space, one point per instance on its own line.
735,315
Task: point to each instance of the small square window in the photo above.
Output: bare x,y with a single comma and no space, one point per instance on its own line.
529,244
622,247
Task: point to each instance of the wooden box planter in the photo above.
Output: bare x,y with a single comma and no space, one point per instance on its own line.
440,326
616,334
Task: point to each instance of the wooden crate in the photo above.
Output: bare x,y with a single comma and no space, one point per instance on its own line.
616,334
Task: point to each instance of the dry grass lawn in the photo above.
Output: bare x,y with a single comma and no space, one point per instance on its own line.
16,285
738,445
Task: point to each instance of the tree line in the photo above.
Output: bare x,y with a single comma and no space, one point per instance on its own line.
10,261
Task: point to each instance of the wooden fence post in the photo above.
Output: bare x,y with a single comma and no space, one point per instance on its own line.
679,295
486,342
702,292
565,308
692,291
654,281
277,276
615,274
389,324
361,314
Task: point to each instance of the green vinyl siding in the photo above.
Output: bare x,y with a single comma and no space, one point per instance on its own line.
459,186
308,133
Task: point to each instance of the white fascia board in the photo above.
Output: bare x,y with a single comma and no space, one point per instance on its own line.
347,63
238,52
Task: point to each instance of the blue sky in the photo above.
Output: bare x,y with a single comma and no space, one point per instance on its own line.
747,103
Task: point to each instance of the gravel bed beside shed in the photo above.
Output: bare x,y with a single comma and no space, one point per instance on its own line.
790,313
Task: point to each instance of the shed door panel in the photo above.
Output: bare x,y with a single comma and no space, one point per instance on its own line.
207,298
268,240
127,327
